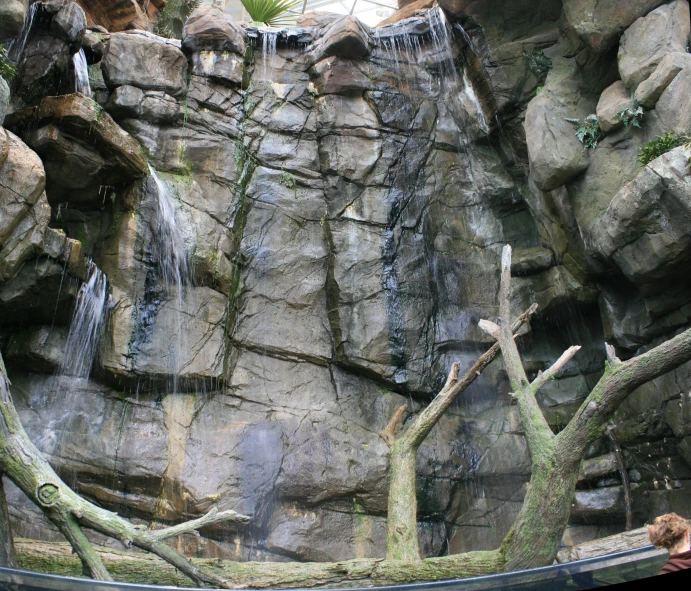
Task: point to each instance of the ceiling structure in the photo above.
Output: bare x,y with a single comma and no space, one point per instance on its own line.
370,12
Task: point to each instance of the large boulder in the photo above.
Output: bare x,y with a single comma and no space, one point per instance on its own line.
346,37
42,69
613,99
69,24
646,229
645,43
600,24
22,180
649,91
83,149
146,62
555,153
12,14
671,105
121,15
210,28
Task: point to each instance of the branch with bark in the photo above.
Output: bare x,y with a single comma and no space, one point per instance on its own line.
532,541
22,463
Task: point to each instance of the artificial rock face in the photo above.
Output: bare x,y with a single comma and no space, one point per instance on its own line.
342,204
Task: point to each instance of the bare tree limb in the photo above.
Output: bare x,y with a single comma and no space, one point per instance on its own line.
611,354
7,553
618,381
21,461
555,369
624,475
91,562
388,433
189,527
490,328
537,430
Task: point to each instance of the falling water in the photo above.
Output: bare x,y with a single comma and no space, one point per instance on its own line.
170,248
469,91
87,324
81,73
439,29
269,39
17,47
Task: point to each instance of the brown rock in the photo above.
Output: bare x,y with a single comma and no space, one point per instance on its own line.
120,15
407,10
613,99
83,149
210,28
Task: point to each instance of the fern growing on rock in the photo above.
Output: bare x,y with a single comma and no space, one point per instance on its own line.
588,132
7,70
631,116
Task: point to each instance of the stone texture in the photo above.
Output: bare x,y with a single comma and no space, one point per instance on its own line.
145,62
210,28
650,90
12,14
667,107
82,147
343,218
41,70
600,24
69,23
121,15
614,98
346,37
556,156
645,44
644,230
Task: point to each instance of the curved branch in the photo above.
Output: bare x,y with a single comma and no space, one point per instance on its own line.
555,368
190,527
92,564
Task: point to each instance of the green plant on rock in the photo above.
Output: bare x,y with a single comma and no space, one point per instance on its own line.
173,17
631,116
538,62
588,132
7,70
661,145
269,12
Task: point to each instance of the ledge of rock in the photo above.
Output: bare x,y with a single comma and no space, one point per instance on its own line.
82,148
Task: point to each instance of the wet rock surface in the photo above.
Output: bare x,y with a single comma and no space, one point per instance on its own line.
342,203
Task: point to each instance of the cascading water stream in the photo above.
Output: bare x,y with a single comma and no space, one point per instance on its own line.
171,253
87,325
81,74
17,47
269,40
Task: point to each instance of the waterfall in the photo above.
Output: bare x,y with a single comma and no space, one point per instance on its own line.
81,73
170,248
17,47
469,92
87,324
269,39
439,29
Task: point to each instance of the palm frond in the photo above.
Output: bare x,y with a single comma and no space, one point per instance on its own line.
269,12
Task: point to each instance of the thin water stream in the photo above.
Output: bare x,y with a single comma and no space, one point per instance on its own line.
81,74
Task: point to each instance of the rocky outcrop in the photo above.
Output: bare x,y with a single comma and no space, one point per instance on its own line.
82,148
341,204
644,45
144,61
121,15
650,90
600,24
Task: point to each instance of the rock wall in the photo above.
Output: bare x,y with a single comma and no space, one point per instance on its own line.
343,203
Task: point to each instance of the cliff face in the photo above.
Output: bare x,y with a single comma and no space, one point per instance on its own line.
342,203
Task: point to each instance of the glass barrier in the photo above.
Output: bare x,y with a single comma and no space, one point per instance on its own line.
590,573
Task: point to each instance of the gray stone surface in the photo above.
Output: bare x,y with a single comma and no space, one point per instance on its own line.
144,62
613,99
600,24
556,156
647,41
650,90
12,14
674,118
69,23
343,212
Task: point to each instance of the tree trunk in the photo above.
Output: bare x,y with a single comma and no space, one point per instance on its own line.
7,554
